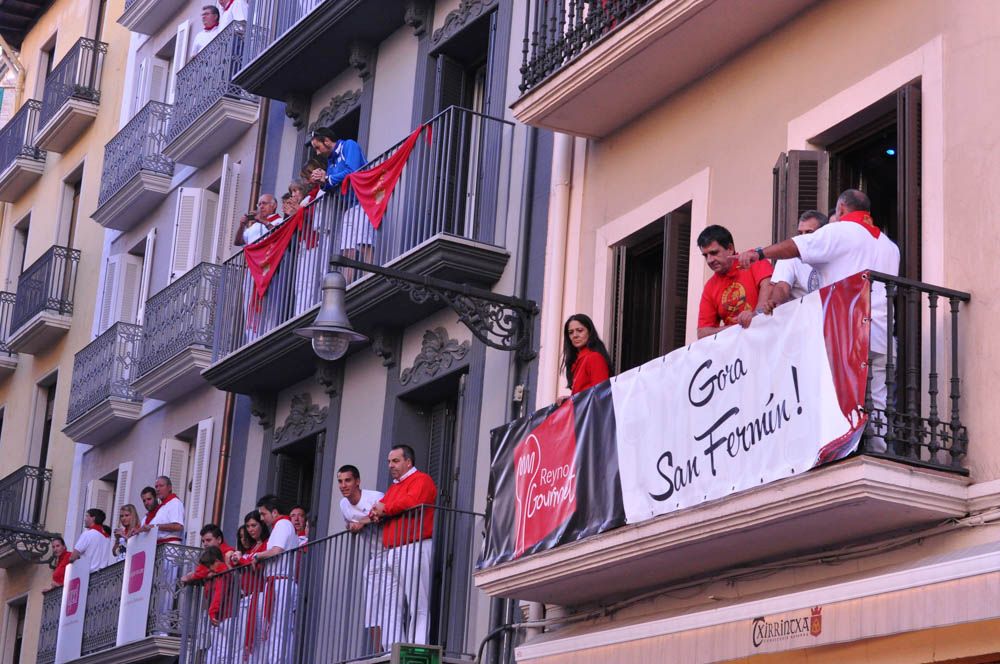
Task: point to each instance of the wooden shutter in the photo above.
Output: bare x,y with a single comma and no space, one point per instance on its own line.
801,182
289,479
230,191
100,494
159,73
199,482
130,283
618,307
207,226
174,460
180,58
185,247
147,275
450,84
123,492
141,86
908,191
676,257
108,294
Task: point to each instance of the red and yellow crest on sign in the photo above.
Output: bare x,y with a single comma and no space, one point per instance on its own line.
816,621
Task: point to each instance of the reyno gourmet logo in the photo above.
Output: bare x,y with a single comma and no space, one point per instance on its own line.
73,598
136,572
545,478
787,628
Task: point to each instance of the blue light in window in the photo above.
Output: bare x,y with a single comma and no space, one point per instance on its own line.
891,152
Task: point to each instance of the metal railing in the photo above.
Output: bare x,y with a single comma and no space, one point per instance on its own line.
77,76
452,184
100,620
24,498
269,19
48,631
137,147
345,597
207,78
180,316
17,138
557,31
7,302
47,284
909,423
104,369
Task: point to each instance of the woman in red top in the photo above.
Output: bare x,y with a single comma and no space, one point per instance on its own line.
585,358
61,556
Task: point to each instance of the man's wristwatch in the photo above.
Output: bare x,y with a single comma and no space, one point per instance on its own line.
760,254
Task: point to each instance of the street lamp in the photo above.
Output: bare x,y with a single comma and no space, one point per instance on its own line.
331,332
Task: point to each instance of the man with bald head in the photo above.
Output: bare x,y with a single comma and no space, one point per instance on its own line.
259,223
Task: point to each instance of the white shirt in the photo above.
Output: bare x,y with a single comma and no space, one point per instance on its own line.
170,512
364,506
802,278
237,11
843,248
202,39
94,549
283,535
257,229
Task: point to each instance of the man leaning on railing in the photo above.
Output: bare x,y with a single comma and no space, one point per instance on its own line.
408,512
280,588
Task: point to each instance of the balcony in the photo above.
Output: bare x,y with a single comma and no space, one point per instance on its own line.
21,162
102,400
210,111
24,500
100,623
439,222
914,481
345,599
590,68
43,310
8,358
287,38
136,175
177,335
147,16
72,96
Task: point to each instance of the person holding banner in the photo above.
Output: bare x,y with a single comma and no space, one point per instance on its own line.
167,515
585,357
93,546
732,293
61,556
128,525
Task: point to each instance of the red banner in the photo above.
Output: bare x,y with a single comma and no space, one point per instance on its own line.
264,256
374,186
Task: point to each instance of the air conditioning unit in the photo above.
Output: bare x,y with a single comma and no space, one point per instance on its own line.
411,653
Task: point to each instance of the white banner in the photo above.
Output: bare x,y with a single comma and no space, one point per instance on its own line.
726,414
74,605
137,586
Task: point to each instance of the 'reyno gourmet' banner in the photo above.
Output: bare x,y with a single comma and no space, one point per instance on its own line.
732,412
137,587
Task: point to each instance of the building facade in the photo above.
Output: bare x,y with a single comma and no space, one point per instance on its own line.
672,116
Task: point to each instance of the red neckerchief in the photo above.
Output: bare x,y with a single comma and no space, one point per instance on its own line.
151,514
226,4
99,529
864,220
301,533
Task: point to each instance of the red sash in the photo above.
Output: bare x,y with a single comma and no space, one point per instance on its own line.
864,220
251,583
99,529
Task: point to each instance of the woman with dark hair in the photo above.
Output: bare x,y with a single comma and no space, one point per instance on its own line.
585,358
61,557
243,540
251,579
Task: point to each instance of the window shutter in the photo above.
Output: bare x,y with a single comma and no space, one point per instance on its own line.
123,492
141,86
199,482
185,249
676,257
289,479
159,72
449,87
174,464
108,295
801,182
207,226
180,57
147,274
130,283
618,308
100,494
230,191
908,174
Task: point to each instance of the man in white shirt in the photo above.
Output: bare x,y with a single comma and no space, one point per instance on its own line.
792,277
210,23
277,615
837,251
233,10
356,502
167,515
355,506
263,221
93,546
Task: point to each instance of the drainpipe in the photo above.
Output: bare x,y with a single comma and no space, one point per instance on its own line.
555,269
229,410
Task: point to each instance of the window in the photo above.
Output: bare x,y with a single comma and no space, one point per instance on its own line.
178,59
650,296
16,611
46,61
19,246
45,398
69,212
122,285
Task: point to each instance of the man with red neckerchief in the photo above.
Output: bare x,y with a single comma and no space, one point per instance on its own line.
211,535
168,515
280,589
838,250
93,546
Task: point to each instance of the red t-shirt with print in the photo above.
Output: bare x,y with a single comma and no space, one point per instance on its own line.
725,296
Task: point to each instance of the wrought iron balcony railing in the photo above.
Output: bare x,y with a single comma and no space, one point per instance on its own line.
104,369
100,621
7,301
556,33
373,576
207,78
47,284
180,316
915,427
77,76
48,631
269,19
451,184
17,138
24,498
137,147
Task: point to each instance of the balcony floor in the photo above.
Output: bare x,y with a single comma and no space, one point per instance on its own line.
66,126
103,421
19,176
855,500
129,205
39,333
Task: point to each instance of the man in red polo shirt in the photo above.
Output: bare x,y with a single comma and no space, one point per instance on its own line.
731,294
407,512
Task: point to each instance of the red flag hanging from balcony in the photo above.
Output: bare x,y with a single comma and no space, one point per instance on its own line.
374,186
264,256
